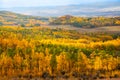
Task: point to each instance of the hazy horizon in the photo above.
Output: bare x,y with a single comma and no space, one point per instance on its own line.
59,7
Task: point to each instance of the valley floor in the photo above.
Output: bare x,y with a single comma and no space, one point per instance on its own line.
115,29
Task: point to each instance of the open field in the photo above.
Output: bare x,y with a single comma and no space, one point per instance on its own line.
99,29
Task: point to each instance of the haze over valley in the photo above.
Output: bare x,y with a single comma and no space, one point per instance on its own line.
89,9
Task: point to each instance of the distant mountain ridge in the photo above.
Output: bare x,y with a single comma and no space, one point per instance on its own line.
97,9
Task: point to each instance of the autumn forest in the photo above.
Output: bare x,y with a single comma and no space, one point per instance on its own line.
43,52
38,48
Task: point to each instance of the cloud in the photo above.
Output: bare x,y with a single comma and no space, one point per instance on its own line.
110,9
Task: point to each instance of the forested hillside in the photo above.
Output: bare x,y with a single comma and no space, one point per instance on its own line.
86,22
13,19
58,53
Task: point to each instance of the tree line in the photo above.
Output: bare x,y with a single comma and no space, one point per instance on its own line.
86,22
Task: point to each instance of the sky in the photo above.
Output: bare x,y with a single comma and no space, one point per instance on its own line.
32,3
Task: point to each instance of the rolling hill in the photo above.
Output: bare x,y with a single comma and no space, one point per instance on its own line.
13,19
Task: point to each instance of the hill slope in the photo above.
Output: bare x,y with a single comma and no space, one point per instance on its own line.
86,22
13,19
